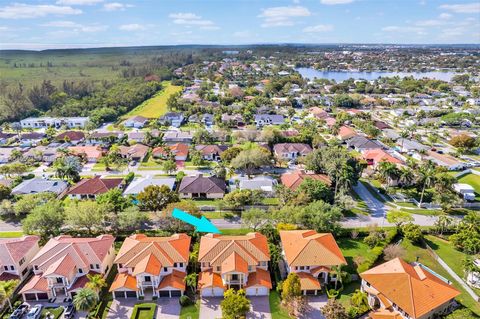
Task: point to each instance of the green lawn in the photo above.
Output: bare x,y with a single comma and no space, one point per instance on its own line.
271,201
424,257
275,306
352,248
190,312
421,211
144,311
157,105
472,180
56,312
234,232
207,202
213,215
11,234
346,295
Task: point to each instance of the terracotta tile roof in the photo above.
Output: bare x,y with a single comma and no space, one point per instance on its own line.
318,112
89,151
309,248
149,254
134,151
174,280
293,180
62,267
202,184
385,314
301,148
211,149
71,135
6,276
234,263
94,186
124,281
178,149
308,282
209,279
259,277
80,282
36,284
379,155
14,249
411,287
346,132
215,249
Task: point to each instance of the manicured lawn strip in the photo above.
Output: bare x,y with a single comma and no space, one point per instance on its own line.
157,105
421,211
352,248
235,231
275,306
11,234
213,215
144,311
56,312
412,252
190,312
207,202
346,295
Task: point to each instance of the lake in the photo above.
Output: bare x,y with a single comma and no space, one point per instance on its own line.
339,76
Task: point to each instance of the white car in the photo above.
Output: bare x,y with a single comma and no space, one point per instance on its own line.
35,312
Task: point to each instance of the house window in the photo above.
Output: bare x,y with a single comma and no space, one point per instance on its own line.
59,280
250,268
219,268
302,268
148,278
165,269
120,265
175,265
91,266
12,267
35,267
6,268
80,270
97,266
307,267
180,264
22,261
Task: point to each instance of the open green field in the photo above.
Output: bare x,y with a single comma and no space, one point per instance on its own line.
157,105
472,180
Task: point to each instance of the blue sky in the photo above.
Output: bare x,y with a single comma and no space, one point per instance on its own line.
93,23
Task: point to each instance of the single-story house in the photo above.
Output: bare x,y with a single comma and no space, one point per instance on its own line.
40,185
173,119
294,179
136,121
73,137
177,137
135,152
200,186
178,150
211,152
268,119
466,190
346,132
91,153
291,151
362,144
90,188
139,184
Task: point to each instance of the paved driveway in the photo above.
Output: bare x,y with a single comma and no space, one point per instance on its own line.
121,309
210,308
314,305
168,308
260,308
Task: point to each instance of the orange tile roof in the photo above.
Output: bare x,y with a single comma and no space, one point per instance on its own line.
379,155
209,279
36,284
124,280
62,267
150,265
16,248
411,287
309,248
174,280
215,249
94,186
259,278
234,263
89,151
385,314
294,179
346,132
308,282
178,149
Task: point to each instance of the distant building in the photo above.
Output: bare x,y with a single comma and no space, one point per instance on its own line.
56,122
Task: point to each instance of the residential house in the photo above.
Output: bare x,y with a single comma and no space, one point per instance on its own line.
90,188
139,184
211,152
178,150
207,119
465,190
138,137
6,137
56,122
233,120
6,154
361,143
73,137
239,262
104,138
397,289
294,179
31,138
40,185
318,113
136,121
42,153
15,256
136,152
376,156
346,132
200,186
266,184
268,119
91,153
154,266
445,160
407,145
60,268
170,137
173,119
311,256
291,151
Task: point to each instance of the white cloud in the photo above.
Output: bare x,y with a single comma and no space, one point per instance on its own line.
445,16
333,2
192,19
75,27
462,8
242,34
429,23
282,16
132,27
116,6
28,11
394,28
79,2
318,28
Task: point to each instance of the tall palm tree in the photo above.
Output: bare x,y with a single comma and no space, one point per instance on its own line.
404,134
191,281
406,176
85,299
6,290
427,174
388,172
469,266
96,282
359,298
339,273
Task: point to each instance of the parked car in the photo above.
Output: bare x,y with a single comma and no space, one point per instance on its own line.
69,311
35,312
19,312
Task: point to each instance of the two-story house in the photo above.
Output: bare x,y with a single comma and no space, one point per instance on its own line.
311,256
239,262
211,152
15,256
291,151
173,119
60,268
397,289
151,266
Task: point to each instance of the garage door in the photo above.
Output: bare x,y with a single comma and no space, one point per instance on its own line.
257,291
119,294
310,292
176,293
42,296
30,296
131,294
164,293
212,292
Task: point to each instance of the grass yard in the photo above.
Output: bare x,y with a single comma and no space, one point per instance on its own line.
157,105
346,295
472,180
11,234
235,232
412,252
421,211
56,312
275,306
352,248
190,312
208,202
213,215
271,201
144,311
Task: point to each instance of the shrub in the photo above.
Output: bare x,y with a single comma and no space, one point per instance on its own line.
185,301
412,232
393,251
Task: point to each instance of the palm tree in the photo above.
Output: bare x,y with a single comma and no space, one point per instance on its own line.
406,176
388,172
96,282
404,135
85,299
339,273
443,222
6,290
469,266
191,281
359,298
427,174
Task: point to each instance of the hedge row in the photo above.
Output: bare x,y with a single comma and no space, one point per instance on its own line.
377,251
